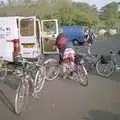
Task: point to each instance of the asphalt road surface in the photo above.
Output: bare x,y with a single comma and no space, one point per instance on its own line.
67,100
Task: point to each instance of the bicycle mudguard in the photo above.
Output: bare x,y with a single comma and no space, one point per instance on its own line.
50,60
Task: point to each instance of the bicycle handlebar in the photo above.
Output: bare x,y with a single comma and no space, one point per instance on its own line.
30,63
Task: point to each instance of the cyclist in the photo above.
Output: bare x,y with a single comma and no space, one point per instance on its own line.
89,38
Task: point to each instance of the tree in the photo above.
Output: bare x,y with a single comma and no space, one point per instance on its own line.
110,14
65,12
86,14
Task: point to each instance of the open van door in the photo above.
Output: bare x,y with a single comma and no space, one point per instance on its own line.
28,35
38,35
49,34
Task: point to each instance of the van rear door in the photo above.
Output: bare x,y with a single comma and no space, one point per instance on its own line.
49,34
28,37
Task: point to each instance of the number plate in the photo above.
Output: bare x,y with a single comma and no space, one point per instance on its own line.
28,46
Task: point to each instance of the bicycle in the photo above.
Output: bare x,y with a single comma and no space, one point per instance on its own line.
81,71
69,66
28,80
90,59
107,64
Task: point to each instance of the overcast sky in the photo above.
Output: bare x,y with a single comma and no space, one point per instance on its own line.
98,3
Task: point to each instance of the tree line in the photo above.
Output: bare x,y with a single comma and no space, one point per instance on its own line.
66,12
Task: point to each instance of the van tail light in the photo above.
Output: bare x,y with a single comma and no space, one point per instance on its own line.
16,44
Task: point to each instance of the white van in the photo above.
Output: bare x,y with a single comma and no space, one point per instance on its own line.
24,35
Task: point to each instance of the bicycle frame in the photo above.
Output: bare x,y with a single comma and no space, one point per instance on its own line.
68,66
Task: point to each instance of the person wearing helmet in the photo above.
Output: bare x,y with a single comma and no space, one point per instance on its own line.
89,38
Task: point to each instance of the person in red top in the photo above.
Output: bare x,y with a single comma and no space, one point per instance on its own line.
62,43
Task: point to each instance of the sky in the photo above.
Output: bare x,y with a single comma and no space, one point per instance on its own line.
98,3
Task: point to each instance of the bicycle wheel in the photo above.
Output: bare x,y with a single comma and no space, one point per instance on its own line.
39,79
52,69
21,98
82,75
3,71
105,70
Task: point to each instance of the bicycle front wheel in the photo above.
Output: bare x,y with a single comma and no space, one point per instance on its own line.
82,75
40,79
21,98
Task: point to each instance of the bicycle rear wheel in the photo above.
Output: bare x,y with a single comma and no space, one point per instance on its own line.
105,70
52,69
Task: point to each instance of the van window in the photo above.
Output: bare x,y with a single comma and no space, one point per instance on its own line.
27,27
49,27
